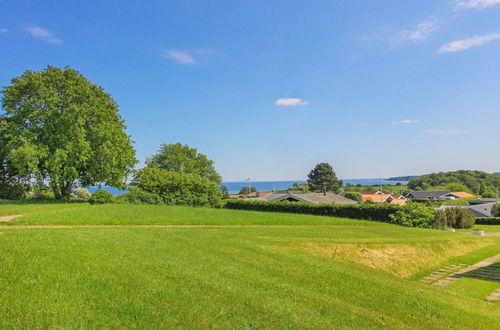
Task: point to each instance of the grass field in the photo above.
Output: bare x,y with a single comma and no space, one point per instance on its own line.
231,269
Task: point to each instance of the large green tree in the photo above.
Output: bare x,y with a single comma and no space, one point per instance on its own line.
323,178
183,159
60,129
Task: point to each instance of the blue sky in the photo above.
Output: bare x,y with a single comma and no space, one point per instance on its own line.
267,89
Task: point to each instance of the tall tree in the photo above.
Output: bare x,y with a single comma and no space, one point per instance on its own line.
323,178
61,129
181,158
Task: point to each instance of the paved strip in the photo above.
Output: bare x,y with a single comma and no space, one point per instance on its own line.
481,270
440,273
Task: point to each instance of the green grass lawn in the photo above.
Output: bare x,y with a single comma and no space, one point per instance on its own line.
36,208
314,272
119,214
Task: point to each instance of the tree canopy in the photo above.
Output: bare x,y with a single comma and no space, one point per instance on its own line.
245,190
60,129
323,178
181,158
471,179
175,188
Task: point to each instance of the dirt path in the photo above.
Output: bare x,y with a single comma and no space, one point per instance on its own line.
7,218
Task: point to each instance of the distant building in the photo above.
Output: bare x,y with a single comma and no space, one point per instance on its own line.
480,210
428,195
315,198
438,195
485,200
383,197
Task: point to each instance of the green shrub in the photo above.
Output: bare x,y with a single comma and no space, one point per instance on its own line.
460,201
375,212
247,190
101,196
138,196
439,220
355,196
176,188
81,193
495,210
456,217
414,215
12,191
40,195
488,221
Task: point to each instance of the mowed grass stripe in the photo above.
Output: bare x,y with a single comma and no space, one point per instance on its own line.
113,214
219,277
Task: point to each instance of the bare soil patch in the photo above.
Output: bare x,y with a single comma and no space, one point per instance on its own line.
8,218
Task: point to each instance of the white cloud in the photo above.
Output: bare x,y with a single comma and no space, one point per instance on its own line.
291,102
189,56
476,4
3,30
476,41
406,121
420,33
182,57
43,34
454,131
361,125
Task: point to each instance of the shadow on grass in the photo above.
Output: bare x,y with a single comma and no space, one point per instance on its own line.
489,273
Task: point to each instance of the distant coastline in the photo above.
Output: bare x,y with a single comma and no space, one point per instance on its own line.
403,178
235,186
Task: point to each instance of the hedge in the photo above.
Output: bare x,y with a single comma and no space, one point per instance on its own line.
375,212
488,221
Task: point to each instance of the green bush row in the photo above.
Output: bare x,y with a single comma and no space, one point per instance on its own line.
488,221
410,215
454,217
375,212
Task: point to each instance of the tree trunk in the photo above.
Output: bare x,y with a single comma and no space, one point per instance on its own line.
57,193
66,190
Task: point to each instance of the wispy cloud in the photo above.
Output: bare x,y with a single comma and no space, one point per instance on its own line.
361,125
43,34
476,4
3,30
179,56
188,57
419,33
476,41
454,131
406,121
290,102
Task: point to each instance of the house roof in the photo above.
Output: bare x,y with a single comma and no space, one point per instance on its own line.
429,194
315,198
461,194
398,200
485,200
376,198
481,210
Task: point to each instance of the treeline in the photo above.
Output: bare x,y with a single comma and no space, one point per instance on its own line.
476,182
402,178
